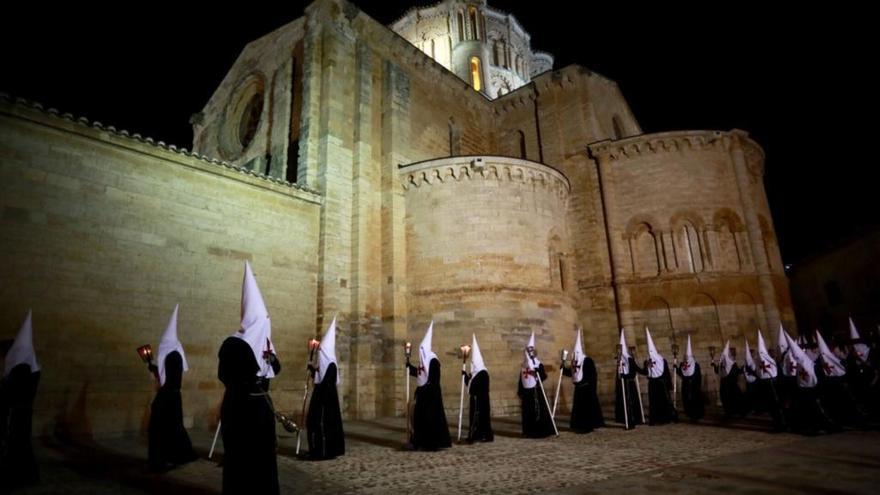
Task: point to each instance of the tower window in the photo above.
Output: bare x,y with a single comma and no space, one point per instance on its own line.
475,73
460,27
472,13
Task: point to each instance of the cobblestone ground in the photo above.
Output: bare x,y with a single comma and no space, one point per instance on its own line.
734,458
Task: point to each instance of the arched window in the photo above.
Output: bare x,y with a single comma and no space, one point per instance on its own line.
472,14
521,138
688,245
618,128
433,52
454,138
496,53
460,27
476,78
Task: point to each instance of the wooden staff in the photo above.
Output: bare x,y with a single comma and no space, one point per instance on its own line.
465,352
214,443
407,351
543,393
313,346
674,374
622,390
564,356
638,387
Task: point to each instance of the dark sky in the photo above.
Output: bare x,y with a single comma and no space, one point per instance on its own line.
799,80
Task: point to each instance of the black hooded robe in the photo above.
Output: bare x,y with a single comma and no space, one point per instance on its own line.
18,466
633,406
837,400
692,393
479,413
248,423
733,401
324,420
536,422
809,416
586,413
430,431
169,442
660,410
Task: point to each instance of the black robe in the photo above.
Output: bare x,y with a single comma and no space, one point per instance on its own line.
169,442
837,400
430,431
633,405
863,382
324,420
732,398
17,464
536,422
660,410
809,416
479,414
586,413
248,423
692,393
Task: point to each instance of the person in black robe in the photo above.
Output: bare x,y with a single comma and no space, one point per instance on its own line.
248,421
18,467
169,443
626,384
863,379
810,417
430,430
733,400
834,394
660,410
586,412
479,408
692,390
324,419
536,422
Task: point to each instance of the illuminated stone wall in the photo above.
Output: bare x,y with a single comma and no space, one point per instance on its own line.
104,233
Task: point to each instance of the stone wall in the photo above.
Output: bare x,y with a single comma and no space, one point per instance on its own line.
483,257
104,233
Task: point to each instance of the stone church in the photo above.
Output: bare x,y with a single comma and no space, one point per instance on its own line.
437,169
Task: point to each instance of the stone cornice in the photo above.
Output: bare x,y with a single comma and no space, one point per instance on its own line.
25,110
460,168
669,142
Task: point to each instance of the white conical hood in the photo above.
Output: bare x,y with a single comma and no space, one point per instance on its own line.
860,349
477,364
806,368
623,363
786,356
726,361
688,365
327,354
22,349
830,363
577,359
656,364
425,356
530,365
766,364
256,328
169,344
750,363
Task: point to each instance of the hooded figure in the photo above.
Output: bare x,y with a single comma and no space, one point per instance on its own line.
324,420
810,417
247,362
835,397
21,375
861,374
691,385
169,441
430,430
786,382
536,421
479,415
765,397
732,398
660,408
586,413
627,408
749,372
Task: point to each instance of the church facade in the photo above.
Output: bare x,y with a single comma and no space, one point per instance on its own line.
439,169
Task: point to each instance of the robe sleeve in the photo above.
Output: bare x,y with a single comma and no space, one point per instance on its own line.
541,372
566,370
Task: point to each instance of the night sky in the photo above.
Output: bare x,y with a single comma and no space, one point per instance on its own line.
797,80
